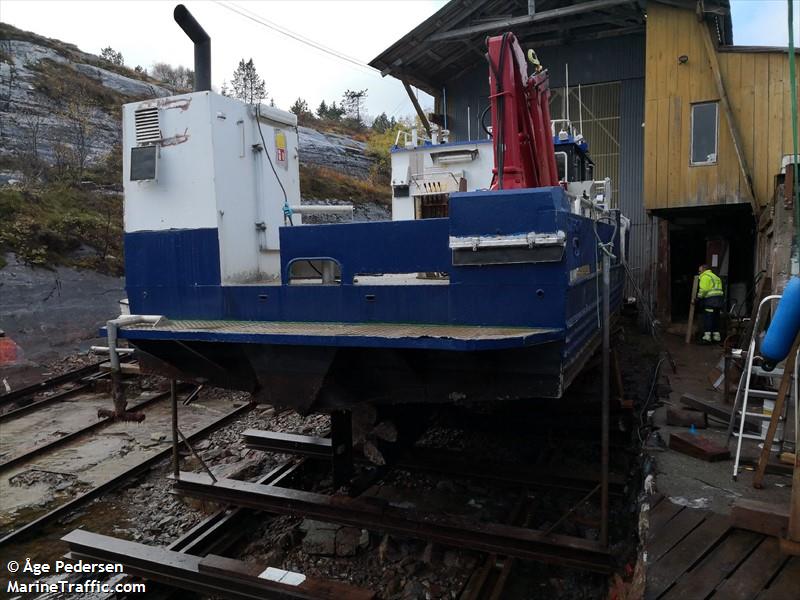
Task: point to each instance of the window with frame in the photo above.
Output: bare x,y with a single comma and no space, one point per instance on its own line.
705,125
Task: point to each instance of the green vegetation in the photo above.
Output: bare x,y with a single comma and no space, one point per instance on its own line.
323,183
379,145
58,224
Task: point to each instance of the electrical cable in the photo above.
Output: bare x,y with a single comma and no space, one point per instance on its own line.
287,210
643,410
256,18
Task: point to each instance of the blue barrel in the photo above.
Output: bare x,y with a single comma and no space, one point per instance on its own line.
784,327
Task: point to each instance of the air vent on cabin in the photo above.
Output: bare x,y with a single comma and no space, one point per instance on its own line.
147,126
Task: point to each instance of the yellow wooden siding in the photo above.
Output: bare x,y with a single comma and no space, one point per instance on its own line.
758,91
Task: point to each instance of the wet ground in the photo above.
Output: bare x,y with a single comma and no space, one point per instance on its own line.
51,479
706,484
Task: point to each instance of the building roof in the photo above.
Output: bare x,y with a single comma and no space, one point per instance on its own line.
453,39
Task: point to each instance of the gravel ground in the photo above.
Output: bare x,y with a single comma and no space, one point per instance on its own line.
398,568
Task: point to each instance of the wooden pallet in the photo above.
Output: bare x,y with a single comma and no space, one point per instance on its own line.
698,554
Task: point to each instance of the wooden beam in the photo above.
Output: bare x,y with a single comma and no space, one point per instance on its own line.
555,13
698,446
692,305
791,545
777,411
419,46
711,52
758,516
417,107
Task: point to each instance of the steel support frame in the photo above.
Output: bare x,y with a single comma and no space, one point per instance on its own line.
373,514
434,460
189,572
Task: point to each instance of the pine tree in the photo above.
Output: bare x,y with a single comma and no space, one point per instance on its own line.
247,83
353,102
381,123
112,56
300,108
335,112
322,110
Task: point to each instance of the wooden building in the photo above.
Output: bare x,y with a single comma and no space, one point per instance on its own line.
692,129
717,129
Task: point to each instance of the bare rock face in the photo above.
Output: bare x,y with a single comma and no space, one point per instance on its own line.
39,84
334,151
48,311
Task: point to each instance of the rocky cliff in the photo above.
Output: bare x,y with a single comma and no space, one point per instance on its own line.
48,88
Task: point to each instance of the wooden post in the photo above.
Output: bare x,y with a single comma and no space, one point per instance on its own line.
780,399
791,543
692,304
711,51
417,107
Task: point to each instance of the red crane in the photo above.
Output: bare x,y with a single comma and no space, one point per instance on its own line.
524,156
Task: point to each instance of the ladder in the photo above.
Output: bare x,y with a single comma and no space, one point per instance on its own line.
746,391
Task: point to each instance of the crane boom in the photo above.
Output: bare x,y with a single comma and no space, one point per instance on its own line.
524,156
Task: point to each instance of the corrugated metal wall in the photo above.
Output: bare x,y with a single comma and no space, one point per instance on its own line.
631,182
619,150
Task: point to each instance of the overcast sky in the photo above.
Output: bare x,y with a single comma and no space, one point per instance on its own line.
145,33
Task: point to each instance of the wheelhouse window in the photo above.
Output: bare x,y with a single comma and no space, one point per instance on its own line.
705,122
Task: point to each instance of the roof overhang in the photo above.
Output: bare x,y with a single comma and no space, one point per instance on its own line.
453,40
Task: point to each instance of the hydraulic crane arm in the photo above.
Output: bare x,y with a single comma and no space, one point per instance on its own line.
524,156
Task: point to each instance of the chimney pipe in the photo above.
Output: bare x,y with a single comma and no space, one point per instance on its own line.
202,47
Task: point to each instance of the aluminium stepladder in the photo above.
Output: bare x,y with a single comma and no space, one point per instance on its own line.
746,390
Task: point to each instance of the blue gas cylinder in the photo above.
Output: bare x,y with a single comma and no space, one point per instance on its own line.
784,327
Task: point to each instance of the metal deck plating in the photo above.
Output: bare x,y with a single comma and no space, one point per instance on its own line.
422,336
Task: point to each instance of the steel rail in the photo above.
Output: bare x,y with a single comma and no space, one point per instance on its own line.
217,533
34,452
49,383
212,575
118,480
527,544
22,410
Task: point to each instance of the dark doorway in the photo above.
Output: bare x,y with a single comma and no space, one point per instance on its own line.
721,236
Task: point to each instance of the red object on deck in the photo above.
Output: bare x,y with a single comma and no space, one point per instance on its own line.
524,156
8,351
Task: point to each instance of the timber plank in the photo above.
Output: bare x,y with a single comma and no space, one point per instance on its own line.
687,552
753,574
721,561
679,527
683,417
787,584
717,412
698,446
761,125
662,513
761,517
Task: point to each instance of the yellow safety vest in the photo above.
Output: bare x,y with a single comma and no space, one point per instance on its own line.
710,285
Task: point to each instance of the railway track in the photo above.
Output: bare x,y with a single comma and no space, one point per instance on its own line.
49,411
191,562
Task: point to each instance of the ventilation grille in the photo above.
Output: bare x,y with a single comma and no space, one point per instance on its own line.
147,127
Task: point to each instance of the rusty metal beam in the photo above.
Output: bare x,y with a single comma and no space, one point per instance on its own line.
211,575
527,544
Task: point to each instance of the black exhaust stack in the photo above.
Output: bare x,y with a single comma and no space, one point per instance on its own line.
202,47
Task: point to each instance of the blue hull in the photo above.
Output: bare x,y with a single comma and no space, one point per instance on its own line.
526,313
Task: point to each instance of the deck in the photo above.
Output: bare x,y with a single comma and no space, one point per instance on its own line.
369,335
698,554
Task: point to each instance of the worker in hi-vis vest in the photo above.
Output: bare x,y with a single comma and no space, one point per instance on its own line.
709,292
